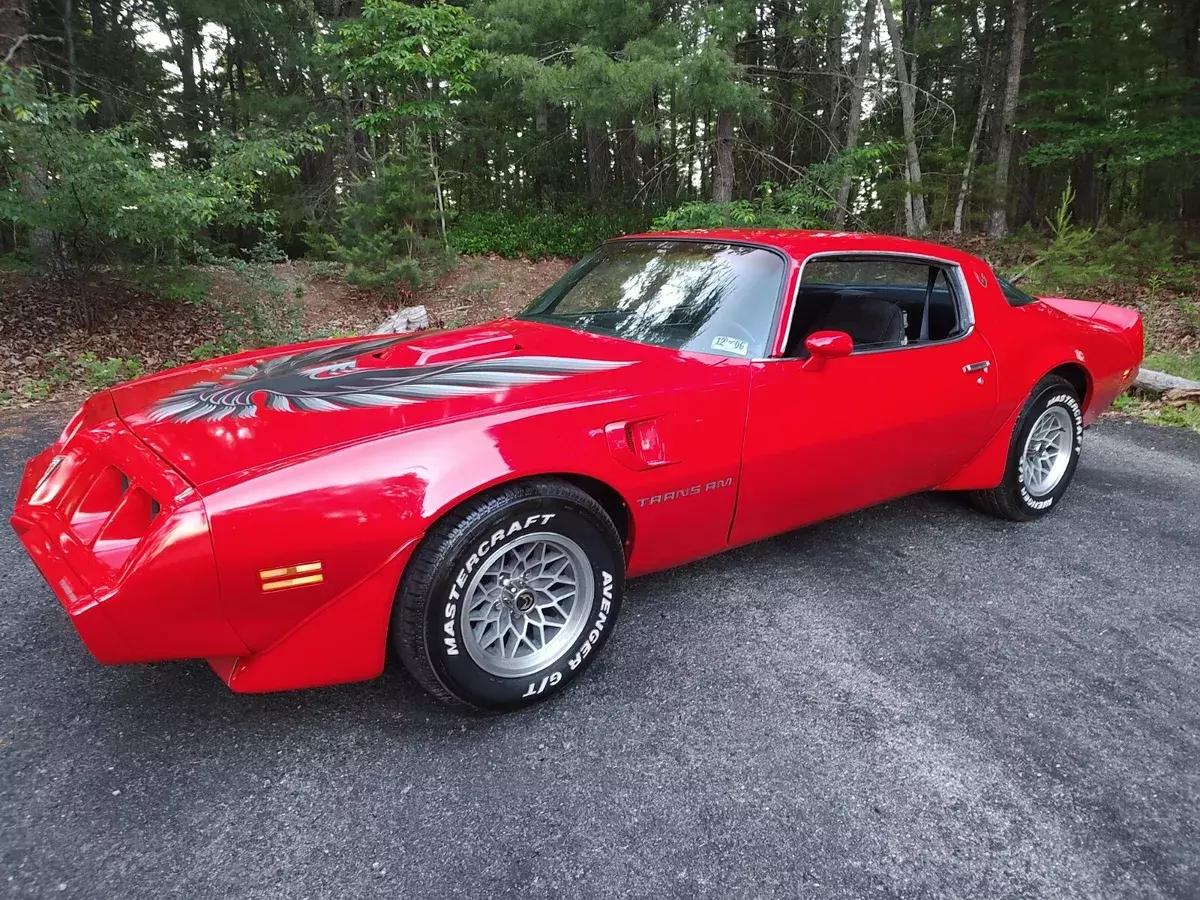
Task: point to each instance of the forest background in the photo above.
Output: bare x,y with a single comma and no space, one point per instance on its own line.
183,178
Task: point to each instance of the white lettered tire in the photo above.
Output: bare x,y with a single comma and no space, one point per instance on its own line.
1042,456
509,598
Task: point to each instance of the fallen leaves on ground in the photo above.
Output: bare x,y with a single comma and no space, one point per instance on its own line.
44,348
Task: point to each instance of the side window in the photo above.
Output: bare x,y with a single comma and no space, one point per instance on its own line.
881,302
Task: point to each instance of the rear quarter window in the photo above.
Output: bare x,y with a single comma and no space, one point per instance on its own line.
1013,294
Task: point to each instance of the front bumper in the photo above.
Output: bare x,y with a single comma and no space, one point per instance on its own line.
82,603
124,544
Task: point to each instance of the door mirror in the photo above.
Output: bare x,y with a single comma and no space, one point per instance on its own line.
823,346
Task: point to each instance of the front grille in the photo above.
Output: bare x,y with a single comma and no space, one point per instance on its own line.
108,509
111,515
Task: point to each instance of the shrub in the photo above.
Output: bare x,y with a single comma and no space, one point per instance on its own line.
265,313
171,285
102,373
805,203
1073,256
539,234
88,197
1149,248
387,221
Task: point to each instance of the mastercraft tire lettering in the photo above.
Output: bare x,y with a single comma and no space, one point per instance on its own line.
1042,457
510,597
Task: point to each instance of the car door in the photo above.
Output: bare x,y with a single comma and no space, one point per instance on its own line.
866,428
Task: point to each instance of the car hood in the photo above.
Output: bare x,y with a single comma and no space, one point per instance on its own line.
233,416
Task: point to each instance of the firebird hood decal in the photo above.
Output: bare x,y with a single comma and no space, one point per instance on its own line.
329,379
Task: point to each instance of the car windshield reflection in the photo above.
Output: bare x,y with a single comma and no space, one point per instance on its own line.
688,295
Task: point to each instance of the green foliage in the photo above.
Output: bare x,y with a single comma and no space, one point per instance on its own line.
38,389
1146,250
102,196
403,48
102,373
797,206
1106,107
265,313
21,260
208,350
1127,405
421,59
1072,257
1156,412
372,262
193,290
60,373
385,220
1183,365
1184,416
537,235
805,203
171,285
1189,311
93,192
323,268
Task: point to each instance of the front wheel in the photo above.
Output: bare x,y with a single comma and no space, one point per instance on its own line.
1043,454
509,598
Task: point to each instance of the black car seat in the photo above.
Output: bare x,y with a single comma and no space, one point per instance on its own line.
870,322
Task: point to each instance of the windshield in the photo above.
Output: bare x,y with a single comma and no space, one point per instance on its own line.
688,295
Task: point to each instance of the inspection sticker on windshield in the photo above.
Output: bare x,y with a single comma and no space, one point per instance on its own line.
731,345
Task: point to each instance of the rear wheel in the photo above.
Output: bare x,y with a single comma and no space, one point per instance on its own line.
509,598
1042,456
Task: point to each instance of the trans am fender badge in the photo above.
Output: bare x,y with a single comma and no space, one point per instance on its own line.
328,379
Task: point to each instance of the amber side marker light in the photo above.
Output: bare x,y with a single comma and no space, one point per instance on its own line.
291,576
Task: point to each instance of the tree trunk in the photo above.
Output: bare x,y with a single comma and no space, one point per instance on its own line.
1189,33
833,66
69,38
964,189
189,46
14,33
854,120
1008,115
233,116
689,180
597,161
915,204
437,187
628,162
722,178
783,113
541,126
749,53
1086,208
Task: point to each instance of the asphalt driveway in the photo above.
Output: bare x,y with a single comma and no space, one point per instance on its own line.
914,701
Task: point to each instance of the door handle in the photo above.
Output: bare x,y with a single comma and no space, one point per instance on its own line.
981,366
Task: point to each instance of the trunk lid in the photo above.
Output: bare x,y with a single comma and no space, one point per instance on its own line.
1122,320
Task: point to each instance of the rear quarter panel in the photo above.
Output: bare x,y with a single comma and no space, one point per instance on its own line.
1029,342
1032,340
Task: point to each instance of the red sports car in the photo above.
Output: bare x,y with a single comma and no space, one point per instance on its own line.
476,498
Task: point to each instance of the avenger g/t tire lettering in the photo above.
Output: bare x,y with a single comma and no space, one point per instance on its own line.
510,597
1042,456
